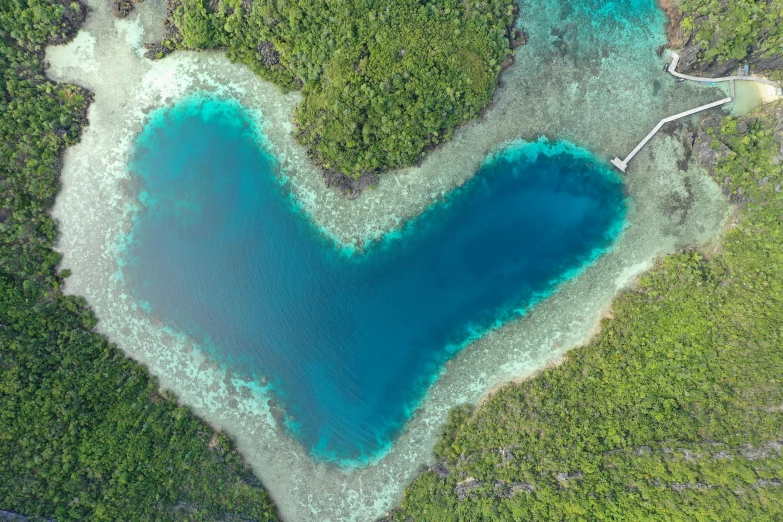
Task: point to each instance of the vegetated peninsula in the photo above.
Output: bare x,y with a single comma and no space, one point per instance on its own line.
382,82
85,433
674,410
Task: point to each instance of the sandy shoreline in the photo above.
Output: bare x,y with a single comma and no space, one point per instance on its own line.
581,100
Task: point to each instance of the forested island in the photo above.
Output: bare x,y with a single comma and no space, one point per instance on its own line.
673,410
381,83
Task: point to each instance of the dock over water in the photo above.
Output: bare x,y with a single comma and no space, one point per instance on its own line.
622,164
676,60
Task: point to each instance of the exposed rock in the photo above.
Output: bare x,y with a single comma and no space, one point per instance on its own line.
440,470
346,185
122,8
9,516
506,456
643,450
762,451
171,35
509,489
722,455
507,62
72,19
563,478
673,30
764,483
518,39
269,54
691,63
703,145
466,488
677,486
156,51
691,55
690,456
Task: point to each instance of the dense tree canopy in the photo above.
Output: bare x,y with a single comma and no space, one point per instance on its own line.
382,81
674,411
84,432
735,29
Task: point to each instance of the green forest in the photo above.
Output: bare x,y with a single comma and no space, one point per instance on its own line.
734,30
382,82
673,412
85,433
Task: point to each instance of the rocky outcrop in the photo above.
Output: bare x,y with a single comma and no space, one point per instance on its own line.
349,187
707,152
673,27
156,50
466,488
509,489
472,489
440,469
692,54
10,516
122,8
518,38
563,478
691,62
73,15
269,54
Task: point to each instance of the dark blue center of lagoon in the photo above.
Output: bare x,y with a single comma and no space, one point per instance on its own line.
349,342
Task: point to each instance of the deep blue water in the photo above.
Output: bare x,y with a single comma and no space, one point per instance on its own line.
350,342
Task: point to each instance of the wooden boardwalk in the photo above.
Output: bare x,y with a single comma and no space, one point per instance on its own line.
622,164
676,60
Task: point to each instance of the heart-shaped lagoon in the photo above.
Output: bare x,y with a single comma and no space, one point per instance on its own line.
349,342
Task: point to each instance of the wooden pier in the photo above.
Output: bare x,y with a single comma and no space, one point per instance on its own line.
622,164
676,60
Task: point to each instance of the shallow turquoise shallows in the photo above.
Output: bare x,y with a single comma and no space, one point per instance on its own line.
349,342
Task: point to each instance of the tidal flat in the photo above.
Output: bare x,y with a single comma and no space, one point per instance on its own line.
590,75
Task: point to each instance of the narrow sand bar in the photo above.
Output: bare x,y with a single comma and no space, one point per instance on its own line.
590,74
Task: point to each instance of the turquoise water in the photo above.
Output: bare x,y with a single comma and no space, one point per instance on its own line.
348,341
